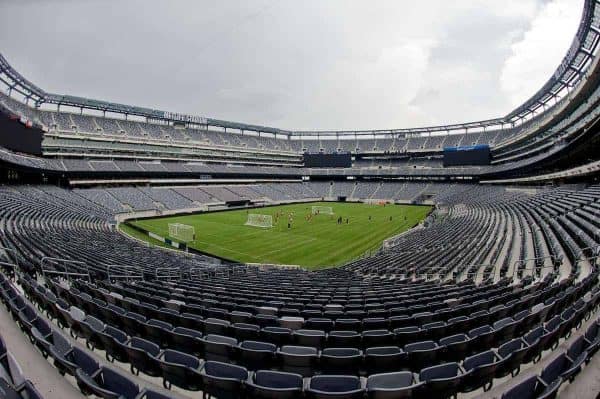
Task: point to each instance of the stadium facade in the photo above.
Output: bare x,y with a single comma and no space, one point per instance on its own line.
497,293
85,137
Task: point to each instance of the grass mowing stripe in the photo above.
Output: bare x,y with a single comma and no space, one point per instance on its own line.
313,242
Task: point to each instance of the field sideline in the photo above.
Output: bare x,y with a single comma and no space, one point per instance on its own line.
315,243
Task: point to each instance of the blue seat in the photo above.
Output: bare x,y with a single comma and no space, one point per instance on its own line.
531,388
180,369
480,370
223,380
455,347
186,340
255,354
441,381
334,387
298,359
108,384
143,356
384,359
397,385
219,347
341,360
266,384
511,356
421,354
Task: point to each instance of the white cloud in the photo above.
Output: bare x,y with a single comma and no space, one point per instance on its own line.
356,92
311,64
534,58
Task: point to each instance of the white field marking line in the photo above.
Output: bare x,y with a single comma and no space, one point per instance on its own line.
287,248
263,255
216,235
210,244
249,235
227,249
151,227
202,242
259,232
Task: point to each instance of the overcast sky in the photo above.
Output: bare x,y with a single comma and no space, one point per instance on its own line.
295,64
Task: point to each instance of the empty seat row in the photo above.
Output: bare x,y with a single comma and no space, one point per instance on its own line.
90,376
227,380
13,384
562,368
344,335
250,353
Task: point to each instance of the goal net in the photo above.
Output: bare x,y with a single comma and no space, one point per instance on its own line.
182,232
258,220
322,210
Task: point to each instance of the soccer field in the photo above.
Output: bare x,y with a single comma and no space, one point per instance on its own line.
314,243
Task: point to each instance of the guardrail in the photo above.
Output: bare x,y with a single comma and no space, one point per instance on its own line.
428,276
47,260
172,273
595,250
14,266
537,259
198,273
239,270
123,274
481,269
266,266
593,260
518,271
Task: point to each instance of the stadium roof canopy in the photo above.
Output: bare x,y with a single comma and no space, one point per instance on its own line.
571,71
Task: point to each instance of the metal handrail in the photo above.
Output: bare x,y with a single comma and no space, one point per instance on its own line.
168,276
14,268
8,264
239,269
594,250
64,262
536,268
126,276
68,275
16,257
554,259
468,267
199,270
473,275
593,260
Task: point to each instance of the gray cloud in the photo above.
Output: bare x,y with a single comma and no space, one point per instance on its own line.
336,64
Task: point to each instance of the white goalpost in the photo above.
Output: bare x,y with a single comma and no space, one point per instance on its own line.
322,210
182,232
259,220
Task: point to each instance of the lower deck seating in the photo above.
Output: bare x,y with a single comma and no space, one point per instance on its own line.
13,381
480,293
196,362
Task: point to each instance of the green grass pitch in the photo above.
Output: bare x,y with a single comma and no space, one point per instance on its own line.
313,244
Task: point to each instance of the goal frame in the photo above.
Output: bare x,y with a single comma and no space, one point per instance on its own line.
174,232
259,220
322,210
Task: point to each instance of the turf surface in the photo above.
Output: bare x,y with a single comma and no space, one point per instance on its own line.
315,243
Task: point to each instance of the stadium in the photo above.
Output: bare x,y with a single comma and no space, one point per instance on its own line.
149,253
